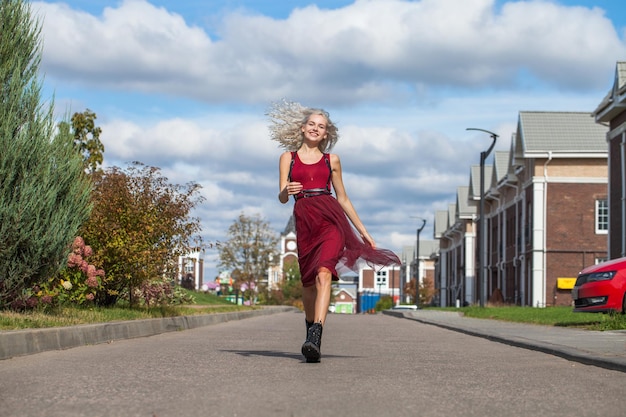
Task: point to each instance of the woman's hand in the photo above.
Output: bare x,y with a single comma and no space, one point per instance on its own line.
293,188
290,189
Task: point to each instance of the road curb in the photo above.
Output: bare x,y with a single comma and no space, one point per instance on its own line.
27,342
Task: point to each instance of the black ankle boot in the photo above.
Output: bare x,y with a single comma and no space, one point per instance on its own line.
311,348
308,324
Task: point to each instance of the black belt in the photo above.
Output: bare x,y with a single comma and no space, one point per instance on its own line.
313,192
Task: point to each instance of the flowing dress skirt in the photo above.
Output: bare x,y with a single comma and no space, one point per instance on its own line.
327,239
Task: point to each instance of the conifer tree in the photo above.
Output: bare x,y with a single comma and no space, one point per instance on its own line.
44,192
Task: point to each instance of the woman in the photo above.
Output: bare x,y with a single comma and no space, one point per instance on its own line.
324,236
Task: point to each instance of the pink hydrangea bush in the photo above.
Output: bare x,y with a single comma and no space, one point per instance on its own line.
77,283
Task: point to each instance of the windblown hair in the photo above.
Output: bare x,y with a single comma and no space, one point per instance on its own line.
287,119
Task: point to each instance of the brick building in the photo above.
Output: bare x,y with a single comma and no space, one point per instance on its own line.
545,208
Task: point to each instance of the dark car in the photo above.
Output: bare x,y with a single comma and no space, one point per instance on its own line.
601,288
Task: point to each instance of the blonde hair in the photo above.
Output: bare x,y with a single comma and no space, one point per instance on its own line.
287,119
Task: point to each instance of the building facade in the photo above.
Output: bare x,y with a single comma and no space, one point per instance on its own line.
191,270
545,205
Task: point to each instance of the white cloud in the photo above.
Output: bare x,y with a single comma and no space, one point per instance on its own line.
402,79
369,50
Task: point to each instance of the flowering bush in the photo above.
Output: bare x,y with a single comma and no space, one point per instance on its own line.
76,283
161,293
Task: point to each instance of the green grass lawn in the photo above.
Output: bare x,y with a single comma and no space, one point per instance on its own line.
207,304
549,316
70,316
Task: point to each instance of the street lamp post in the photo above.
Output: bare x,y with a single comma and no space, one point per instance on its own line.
417,264
483,223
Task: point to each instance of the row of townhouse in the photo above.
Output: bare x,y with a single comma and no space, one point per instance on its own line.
545,213
554,204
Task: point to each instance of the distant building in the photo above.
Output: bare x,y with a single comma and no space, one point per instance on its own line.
345,302
425,273
288,253
191,270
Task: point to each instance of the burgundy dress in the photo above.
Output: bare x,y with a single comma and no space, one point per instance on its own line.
325,236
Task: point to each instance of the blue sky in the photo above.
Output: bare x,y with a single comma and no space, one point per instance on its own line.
184,86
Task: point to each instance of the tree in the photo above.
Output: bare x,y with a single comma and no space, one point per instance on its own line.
139,226
44,193
291,286
248,251
426,290
86,138
289,291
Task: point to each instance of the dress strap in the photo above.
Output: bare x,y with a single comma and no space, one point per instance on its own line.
293,160
330,171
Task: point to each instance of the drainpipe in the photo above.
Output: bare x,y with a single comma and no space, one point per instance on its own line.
516,255
522,255
545,218
502,244
445,271
457,251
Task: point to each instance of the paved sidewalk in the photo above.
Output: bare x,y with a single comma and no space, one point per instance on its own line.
27,342
605,349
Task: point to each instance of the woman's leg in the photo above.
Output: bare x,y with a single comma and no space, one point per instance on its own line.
317,299
309,294
323,285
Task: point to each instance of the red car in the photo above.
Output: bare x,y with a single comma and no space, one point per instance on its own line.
601,288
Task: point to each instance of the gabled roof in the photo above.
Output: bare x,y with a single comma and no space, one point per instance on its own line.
614,102
408,253
474,187
561,134
349,292
441,223
509,177
514,159
428,248
466,209
500,167
451,215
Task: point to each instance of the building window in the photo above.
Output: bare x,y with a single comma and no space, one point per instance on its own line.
189,264
381,278
602,216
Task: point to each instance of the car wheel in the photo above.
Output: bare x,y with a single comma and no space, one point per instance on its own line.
624,303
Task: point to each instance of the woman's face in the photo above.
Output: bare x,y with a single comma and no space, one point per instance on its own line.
315,128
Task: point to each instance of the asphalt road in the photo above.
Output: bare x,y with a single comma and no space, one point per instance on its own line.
372,365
